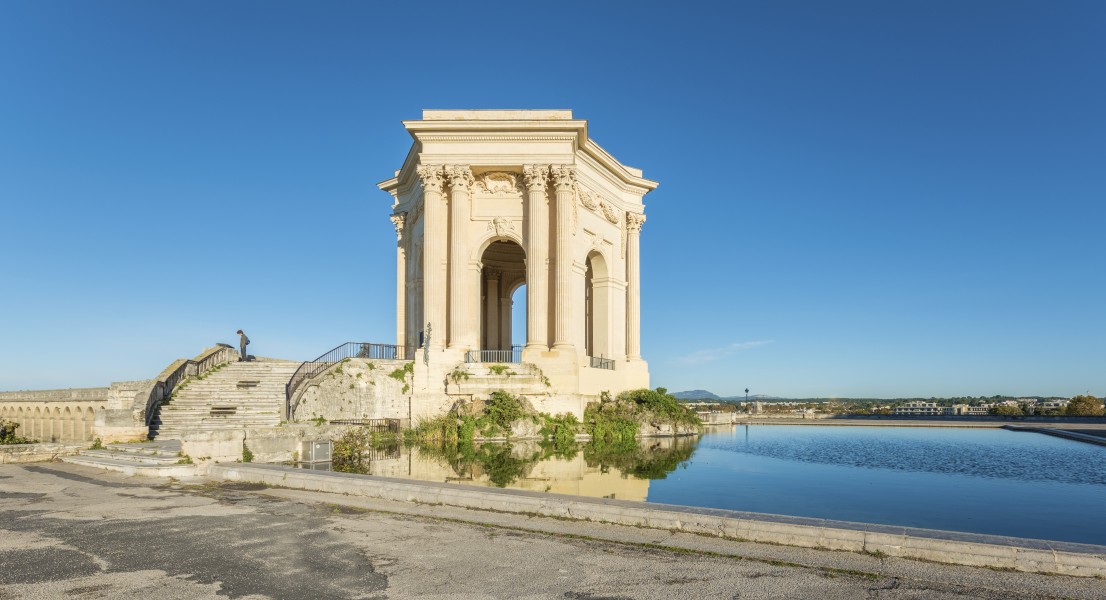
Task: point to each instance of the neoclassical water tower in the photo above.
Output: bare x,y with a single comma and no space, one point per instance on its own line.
488,201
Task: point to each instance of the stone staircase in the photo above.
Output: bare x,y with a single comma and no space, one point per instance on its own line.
155,459
236,396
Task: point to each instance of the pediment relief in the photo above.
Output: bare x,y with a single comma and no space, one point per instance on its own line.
498,183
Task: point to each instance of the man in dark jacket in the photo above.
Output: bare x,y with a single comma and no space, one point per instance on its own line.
243,341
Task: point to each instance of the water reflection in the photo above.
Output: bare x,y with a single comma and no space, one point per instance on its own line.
984,481
596,470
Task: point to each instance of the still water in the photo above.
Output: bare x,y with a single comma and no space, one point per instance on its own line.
974,480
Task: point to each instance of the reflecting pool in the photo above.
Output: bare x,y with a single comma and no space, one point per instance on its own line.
974,480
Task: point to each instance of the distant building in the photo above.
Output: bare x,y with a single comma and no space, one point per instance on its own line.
1045,405
967,410
919,409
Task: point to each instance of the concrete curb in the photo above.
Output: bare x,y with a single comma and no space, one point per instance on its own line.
1060,433
1037,556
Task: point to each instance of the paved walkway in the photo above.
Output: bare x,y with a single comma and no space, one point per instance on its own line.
68,531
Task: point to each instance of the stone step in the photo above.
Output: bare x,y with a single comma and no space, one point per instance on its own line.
157,448
130,467
151,459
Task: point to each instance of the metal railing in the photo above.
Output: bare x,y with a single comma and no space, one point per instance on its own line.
598,362
311,368
514,355
382,425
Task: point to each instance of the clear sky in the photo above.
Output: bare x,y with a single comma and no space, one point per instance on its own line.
857,198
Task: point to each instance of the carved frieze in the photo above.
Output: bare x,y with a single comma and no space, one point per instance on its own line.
609,212
587,198
593,202
498,183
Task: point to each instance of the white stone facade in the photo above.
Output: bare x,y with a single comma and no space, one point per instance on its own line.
487,201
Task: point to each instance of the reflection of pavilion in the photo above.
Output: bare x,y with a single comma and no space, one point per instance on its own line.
554,475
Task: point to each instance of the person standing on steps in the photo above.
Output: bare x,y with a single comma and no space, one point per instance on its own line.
243,341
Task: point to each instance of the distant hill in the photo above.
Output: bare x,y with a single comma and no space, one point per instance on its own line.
701,395
697,395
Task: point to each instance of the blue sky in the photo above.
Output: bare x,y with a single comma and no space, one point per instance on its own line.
857,198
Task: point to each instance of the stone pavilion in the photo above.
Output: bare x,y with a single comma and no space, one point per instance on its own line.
487,201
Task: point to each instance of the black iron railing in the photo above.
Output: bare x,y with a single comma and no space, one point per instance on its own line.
312,368
381,425
514,355
598,362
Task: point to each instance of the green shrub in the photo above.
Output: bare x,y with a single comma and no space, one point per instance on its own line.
96,445
247,456
8,436
502,409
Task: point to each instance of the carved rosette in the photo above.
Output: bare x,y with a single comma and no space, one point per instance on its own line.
433,177
460,177
399,220
564,177
536,177
634,221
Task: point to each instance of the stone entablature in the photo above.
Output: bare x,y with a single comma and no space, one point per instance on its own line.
487,201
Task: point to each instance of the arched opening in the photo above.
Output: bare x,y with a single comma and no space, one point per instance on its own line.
502,292
597,307
518,316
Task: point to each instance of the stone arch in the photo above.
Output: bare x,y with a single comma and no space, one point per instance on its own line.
36,427
502,261
493,237
598,304
67,424
86,424
55,425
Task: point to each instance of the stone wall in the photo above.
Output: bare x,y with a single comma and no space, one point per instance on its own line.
357,388
55,415
28,453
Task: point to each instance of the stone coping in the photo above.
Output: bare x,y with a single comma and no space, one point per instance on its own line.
66,395
1023,554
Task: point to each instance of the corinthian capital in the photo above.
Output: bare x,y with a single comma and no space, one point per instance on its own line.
460,177
536,176
399,220
634,221
432,177
564,176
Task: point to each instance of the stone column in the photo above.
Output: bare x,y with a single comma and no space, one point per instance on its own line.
460,181
433,254
633,286
398,219
491,313
537,258
564,176
505,308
